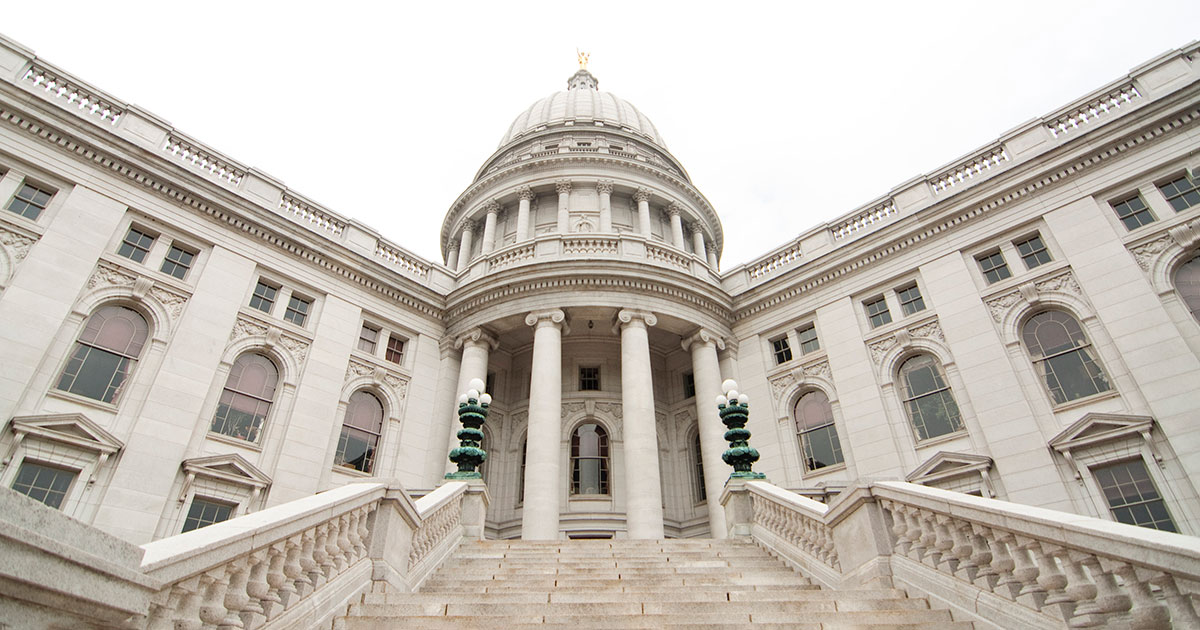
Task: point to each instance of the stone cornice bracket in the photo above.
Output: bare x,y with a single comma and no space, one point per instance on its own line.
525,193
562,186
642,194
604,186
703,336
555,317
492,206
626,317
477,336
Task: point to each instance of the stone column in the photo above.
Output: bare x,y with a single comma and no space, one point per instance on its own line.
476,345
444,407
489,227
642,196
563,186
543,477
674,211
707,374
452,256
525,195
712,256
468,236
643,492
605,189
698,240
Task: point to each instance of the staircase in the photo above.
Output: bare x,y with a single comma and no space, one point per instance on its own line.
611,584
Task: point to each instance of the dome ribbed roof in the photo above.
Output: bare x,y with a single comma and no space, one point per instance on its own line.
583,104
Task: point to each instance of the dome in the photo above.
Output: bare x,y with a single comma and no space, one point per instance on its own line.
582,104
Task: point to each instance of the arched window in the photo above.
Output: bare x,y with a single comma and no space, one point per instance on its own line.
818,436
1062,356
698,467
1187,283
927,398
589,460
360,432
247,398
105,354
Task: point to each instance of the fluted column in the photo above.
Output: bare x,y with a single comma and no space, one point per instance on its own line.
673,211
563,186
605,189
643,502
712,256
707,375
476,345
698,240
452,256
543,478
489,227
464,250
642,196
525,195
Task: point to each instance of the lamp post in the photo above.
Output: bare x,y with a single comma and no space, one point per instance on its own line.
734,410
472,411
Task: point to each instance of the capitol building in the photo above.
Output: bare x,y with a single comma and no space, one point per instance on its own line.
188,340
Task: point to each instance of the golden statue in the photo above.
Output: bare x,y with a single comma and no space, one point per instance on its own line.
583,59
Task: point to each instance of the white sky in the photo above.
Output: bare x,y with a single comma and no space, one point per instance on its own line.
785,115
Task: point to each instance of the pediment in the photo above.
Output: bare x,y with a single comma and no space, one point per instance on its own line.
947,464
230,468
74,429
1098,428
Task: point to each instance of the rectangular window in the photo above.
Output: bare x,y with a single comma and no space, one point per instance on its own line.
1131,495
1181,193
205,512
1033,251
808,339
489,383
368,339
264,297
30,201
877,312
395,349
178,261
297,310
993,267
589,379
1133,213
689,385
136,245
43,483
910,300
783,351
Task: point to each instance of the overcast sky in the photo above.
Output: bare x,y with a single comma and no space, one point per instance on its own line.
785,115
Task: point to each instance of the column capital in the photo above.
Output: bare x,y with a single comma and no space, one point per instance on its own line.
452,244
703,337
627,317
553,317
525,193
604,186
476,336
675,209
696,227
563,186
642,194
492,206
468,225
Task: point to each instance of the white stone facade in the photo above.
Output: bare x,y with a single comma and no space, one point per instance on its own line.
583,249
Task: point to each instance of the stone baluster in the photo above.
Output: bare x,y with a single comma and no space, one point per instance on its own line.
962,550
1031,594
310,561
236,598
344,546
1080,589
912,532
1110,600
928,543
642,197
1008,585
489,227
1052,580
605,188
258,589
465,243
525,196
1183,613
180,609
296,571
283,587
947,562
358,548
1146,613
364,533
986,576
675,211
212,606
563,188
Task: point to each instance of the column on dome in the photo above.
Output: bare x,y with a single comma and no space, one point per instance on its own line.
707,375
563,186
543,479
698,240
476,345
642,196
452,255
525,195
468,237
489,227
605,188
674,211
712,256
643,492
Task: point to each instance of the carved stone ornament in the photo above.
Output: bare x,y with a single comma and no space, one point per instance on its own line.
107,275
612,409
929,330
604,187
477,336
642,194
782,383
1145,253
245,327
570,408
17,244
1027,293
380,375
562,186
703,336
492,207
555,316
627,316
525,193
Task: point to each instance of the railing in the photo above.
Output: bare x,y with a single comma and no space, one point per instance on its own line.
221,169
967,170
511,256
1093,110
401,260
668,256
584,245
71,96
999,564
591,245
311,216
775,261
868,218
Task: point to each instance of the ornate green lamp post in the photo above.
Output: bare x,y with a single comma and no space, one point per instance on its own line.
734,410
472,411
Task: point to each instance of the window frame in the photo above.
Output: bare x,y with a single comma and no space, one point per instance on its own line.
1112,509
174,246
781,349
35,184
1123,200
141,245
884,315
232,512
1087,349
272,403
804,343
605,458
957,424
900,299
802,433
385,332
589,378
1161,185
126,362
371,456
1034,253
291,313
986,271
285,291
63,500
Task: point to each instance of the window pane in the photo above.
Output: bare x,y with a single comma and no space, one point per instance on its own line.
177,262
297,310
1181,193
247,398
1131,495
910,300
698,460
29,201
993,267
1033,252
364,411
1133,213
395,349
821,448
136,245
356,449
928,400
205,512
1062,356
367,339
1187,283
589,379
808,340
812,411
43,483
105,353
783,351
877,312
589,460
264,297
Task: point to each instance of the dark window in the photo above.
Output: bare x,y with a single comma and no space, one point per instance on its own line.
1187,283
689,385
1033,251
877,312
1133,213
1063,357
136,245
927,398
589,460
489,383
818,435
297,310
1132,497
368,339
264,297
808,339
360,433
910,300
205,512
395,349
178,261
521,480
783,351
47,484
698,467
105,354
30,201
589,379
993,267
1181,193
247,398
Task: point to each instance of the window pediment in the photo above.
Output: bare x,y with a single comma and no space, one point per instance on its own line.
74,429
1100,428
231,468
945,465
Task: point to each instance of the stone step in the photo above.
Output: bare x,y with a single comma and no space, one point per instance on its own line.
900,620
589,595
501,587
614,572
559,581
784,611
